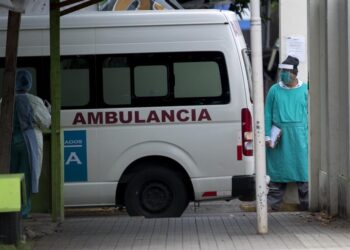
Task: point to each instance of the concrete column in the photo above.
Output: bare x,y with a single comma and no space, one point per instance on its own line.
332,88
323,102
329,105
347,180
344,175
337,108
316,53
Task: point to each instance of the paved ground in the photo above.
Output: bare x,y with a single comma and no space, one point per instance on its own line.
208,227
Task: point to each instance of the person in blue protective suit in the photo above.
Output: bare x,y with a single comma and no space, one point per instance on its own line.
286,108
31,116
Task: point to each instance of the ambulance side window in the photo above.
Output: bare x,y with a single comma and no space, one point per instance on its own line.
151,80
197,79
75,82
116,81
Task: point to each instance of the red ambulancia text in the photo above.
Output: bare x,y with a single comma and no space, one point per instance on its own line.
153,116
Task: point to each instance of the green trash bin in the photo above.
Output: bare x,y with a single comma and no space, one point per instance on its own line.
12,196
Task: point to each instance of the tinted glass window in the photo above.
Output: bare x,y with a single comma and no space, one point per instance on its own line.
75,82
197,79
163,79
116,81
116,86
151,80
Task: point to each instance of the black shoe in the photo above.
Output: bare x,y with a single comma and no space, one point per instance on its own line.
303,207
274,208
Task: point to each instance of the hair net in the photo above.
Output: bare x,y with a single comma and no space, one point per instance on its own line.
23,80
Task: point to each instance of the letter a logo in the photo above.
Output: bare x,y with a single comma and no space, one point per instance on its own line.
73,157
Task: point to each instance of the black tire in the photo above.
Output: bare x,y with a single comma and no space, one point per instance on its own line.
10,228
156,192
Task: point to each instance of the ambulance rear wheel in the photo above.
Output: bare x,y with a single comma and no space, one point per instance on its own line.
156,192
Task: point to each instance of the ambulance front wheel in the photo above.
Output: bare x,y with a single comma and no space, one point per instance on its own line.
156,192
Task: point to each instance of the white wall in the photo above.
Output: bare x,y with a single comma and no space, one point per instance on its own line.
293,22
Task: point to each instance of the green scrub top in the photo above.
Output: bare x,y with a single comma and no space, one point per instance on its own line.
287,108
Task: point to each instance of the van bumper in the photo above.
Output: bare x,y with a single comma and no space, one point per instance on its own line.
243,187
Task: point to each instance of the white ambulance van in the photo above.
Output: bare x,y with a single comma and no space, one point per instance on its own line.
156,107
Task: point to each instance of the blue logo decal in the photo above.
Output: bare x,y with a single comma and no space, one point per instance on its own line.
75,159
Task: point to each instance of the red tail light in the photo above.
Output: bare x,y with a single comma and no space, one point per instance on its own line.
247,132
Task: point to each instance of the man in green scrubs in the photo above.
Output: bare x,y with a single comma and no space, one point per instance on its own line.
286,107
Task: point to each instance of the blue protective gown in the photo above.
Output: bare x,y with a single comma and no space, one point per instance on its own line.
32,116
287,108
